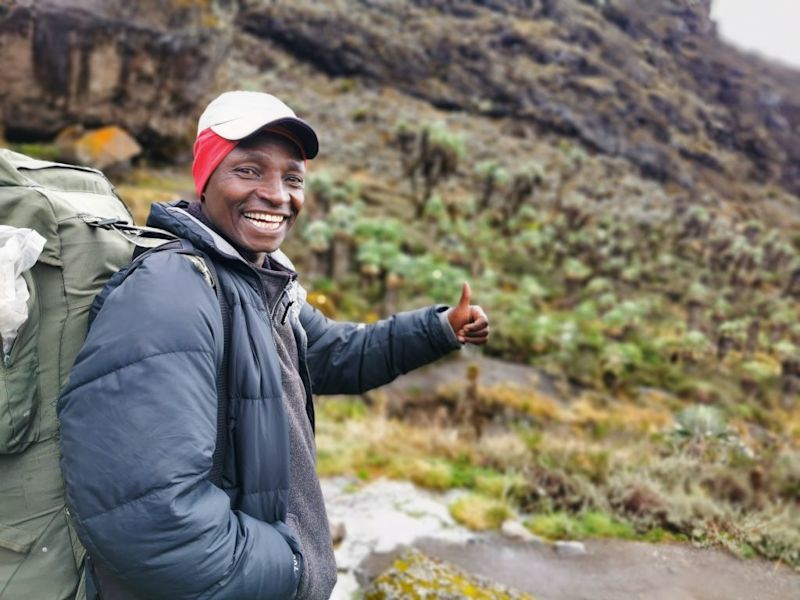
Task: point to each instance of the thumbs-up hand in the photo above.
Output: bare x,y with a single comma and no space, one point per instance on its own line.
469,322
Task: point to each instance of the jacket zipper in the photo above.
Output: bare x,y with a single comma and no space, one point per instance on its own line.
263,294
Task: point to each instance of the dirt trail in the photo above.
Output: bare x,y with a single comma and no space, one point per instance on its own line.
385,517
615,569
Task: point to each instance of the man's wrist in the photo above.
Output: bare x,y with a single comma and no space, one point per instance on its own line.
447,328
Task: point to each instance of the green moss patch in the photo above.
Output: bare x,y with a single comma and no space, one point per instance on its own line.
415,576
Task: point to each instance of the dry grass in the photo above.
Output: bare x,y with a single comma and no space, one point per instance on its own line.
479,512
635,481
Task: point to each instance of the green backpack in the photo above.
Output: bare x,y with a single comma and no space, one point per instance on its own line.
89,235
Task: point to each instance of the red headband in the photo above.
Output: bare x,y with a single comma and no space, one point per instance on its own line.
211,149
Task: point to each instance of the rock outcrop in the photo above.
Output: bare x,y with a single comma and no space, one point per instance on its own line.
647,81
650,82
146,66
415,575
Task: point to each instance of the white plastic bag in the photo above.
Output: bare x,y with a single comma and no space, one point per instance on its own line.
19,250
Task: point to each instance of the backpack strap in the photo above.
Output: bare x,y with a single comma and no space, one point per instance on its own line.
205,265
223,377
138,235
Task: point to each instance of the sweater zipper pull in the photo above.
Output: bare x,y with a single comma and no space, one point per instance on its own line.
286,311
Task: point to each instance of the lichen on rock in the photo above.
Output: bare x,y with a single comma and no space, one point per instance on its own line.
417,576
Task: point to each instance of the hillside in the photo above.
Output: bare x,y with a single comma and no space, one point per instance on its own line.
619,186
648,82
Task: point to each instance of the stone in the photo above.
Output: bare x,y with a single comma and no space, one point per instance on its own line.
100,148
338,532
434,579
517,531
569,549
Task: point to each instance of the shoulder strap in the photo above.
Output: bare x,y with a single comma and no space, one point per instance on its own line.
142,237
205,265
223,377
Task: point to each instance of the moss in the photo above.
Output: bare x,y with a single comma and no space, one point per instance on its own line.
416,576
479,512
560,526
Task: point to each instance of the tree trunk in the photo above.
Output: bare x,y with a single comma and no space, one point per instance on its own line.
340,258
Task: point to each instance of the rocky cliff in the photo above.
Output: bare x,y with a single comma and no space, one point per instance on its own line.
650,82
143,65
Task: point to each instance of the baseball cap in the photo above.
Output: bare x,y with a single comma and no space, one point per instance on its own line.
238,114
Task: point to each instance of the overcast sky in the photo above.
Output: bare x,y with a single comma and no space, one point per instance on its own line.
770,27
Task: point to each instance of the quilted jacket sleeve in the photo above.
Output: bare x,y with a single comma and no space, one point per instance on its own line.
138,428
351,358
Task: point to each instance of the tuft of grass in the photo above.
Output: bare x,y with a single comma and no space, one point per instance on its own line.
499,485
562,525
427,473
525,401
479,512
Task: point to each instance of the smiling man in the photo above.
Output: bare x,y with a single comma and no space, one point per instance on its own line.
139,416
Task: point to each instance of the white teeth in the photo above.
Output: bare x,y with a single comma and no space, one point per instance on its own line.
264,221
259,216
267,225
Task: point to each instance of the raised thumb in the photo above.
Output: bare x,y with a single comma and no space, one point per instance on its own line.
463,302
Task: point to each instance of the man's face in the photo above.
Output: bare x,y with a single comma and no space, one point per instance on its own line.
255,194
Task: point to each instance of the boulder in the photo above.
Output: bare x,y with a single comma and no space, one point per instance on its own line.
415,575
100,148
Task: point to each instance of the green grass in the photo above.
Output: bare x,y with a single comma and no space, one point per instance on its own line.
36,150
562,526
479,512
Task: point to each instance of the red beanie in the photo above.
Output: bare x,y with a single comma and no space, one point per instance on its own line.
209,151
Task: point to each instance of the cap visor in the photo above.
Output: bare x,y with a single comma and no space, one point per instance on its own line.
238,129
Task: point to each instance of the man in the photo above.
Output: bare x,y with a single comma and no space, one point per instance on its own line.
139,413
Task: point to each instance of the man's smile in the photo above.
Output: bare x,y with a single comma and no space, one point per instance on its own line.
265,221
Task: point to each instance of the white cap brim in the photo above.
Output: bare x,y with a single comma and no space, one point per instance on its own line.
242,127
239,114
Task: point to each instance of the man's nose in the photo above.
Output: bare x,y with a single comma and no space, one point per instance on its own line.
273,190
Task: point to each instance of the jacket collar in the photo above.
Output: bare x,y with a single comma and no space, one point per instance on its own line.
173,217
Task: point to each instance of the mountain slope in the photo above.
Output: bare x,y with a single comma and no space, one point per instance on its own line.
648,82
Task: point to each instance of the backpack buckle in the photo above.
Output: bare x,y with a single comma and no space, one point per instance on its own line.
93,221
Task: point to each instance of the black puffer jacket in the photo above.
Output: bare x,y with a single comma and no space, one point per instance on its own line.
138,420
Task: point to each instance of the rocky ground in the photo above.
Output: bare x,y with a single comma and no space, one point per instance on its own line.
385,517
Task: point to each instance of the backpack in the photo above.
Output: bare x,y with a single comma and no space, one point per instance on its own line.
89,236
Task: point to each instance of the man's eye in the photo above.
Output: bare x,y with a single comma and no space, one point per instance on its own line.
247,171
295,180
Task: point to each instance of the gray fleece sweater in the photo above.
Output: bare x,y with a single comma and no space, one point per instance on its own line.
306,510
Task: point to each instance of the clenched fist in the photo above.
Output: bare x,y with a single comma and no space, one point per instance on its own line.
469,321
